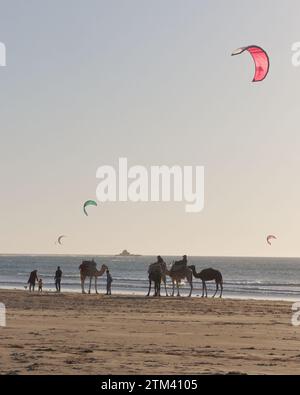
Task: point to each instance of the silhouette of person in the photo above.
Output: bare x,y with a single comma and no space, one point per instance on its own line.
159,259
33,278
57,278
40,283
109,280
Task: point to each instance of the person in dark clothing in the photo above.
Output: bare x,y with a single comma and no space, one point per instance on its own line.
159,259
33,278
179,264
108,282
40,284
183,261
57,279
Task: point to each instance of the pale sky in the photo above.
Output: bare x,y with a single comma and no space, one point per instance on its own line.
88,81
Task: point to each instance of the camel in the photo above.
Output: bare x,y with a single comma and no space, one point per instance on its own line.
178,273
155,274
209,275
164,272
89,269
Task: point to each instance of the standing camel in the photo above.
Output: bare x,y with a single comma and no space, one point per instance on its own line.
155,274
179,273
164,272
209,275
89,269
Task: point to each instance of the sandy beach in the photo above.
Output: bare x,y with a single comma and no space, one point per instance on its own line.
89,334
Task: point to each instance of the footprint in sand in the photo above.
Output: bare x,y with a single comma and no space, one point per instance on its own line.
32,367
13,372
15,346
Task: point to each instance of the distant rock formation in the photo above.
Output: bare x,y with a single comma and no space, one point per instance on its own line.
126,253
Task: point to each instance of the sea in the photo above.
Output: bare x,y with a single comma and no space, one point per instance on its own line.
246,278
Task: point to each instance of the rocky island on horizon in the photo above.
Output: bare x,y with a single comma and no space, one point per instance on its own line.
127,253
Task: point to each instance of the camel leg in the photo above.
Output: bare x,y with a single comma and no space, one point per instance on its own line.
217,288
148,294
203,286
90,285
205,289
191,284
165,282
177,283
173,282
221,284
166,289
96,285
82,285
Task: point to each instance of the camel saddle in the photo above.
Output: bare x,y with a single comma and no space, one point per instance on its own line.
154,266
87,265
178,266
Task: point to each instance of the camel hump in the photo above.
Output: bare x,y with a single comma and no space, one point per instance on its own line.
211,274
156,266
209,270
216,272
85,265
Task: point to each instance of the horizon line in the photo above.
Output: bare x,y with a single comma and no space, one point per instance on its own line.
148,255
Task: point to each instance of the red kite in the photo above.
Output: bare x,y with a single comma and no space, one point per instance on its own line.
261,60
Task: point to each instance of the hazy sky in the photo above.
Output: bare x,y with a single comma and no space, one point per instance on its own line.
89,81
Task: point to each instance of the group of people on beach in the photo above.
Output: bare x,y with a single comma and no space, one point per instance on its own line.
33,280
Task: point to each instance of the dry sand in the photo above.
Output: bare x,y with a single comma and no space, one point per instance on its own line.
89,334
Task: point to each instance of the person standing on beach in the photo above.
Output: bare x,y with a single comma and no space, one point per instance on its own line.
108,282
33,278
40,283
57,279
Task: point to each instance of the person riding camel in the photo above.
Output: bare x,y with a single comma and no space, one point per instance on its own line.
178,265
159,259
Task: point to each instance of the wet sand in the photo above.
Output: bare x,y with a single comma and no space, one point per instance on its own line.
95,334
